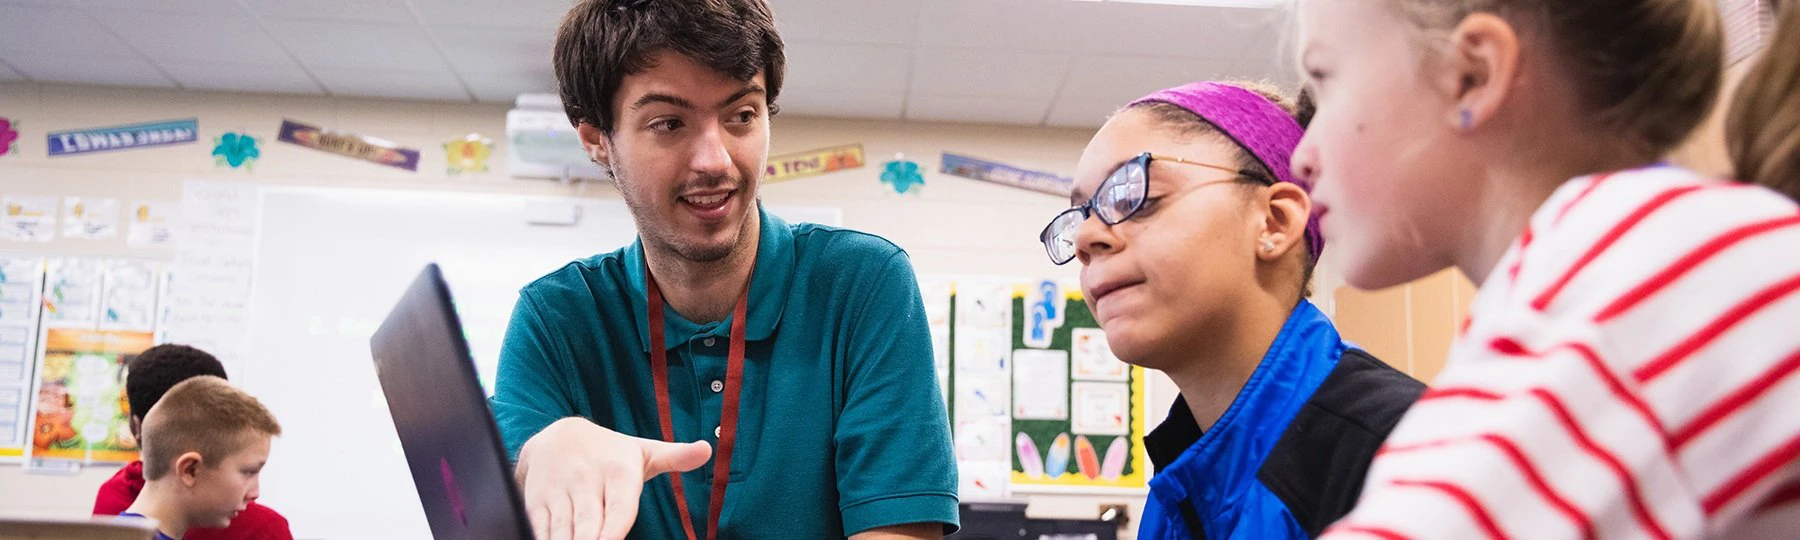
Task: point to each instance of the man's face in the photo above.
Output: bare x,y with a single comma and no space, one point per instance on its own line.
687,153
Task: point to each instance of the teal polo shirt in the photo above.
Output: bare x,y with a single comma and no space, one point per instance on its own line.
841,428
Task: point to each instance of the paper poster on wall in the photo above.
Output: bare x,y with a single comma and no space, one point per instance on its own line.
105,139
72,292
90,218
28,219
468,154
982,351
9,135
129,298
981,481
1101,408
1000,173
82,413
983,304
208,290
152,224
1044,307
1040,385
1094,359
935,293
21,279
979,398
813,163
370,149
983,439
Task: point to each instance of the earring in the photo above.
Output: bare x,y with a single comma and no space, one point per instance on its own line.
1468,119
1268,246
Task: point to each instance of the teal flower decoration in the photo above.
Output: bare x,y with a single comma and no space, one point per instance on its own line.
902,175
235,150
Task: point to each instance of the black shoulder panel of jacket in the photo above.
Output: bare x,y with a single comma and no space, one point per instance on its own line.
1318,465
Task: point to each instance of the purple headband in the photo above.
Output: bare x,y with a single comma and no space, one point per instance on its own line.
1255,124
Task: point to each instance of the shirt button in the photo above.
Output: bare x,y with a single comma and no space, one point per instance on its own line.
715,432
709,342
718,386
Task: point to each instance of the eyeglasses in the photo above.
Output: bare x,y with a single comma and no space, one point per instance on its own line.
1119,197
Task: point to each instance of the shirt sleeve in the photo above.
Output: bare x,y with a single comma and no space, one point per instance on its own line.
894,460
529,393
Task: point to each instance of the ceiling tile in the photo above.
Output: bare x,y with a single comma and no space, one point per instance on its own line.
59,31
489,50
946,72
355,45
392,83
501,89
7,74
825,66
128,71
169,37
1118,79
198,7
364,11
1011,25
881,105
288,79
977,110
1080,114
540,15
1183,31
893,22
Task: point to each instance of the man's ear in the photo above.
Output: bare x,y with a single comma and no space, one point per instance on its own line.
596,142
1285,227
187,466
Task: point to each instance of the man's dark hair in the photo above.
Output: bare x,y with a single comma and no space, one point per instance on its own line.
603,41
153,372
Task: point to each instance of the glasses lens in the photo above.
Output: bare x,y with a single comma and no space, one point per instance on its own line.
1122,193
1059,237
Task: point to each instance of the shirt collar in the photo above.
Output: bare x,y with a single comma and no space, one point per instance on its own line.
770,281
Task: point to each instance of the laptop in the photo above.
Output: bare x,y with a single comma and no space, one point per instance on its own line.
452,445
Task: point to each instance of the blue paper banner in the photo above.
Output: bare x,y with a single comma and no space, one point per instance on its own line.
83,141
1000,173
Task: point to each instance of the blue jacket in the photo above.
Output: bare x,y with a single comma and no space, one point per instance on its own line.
1288,457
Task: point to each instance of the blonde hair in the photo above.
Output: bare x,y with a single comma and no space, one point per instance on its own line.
1649,70
1762,131
203,414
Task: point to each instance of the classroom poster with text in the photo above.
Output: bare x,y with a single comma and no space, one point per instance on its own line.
82,412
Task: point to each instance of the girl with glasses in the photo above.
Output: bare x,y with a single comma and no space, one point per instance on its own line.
1196,245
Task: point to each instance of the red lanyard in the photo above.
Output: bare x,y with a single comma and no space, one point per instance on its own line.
734,378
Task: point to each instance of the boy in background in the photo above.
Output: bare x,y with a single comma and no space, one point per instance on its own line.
148,377
205,443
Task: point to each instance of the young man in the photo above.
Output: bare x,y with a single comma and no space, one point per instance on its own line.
205,444
147,378
800,352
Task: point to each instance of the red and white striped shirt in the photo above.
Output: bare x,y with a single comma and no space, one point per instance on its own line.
1628,371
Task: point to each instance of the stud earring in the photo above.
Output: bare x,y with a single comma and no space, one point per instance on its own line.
1468,119
1268,246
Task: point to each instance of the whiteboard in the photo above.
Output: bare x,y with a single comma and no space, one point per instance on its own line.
330,265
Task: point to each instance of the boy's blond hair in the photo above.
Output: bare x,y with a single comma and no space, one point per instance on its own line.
203,414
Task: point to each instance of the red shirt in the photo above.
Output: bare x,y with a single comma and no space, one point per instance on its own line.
256,522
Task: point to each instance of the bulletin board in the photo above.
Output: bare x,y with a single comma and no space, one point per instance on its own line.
1038,402
67,327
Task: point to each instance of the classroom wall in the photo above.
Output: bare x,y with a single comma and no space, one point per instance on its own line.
955,226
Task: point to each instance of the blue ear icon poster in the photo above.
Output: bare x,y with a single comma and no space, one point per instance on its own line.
902,175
